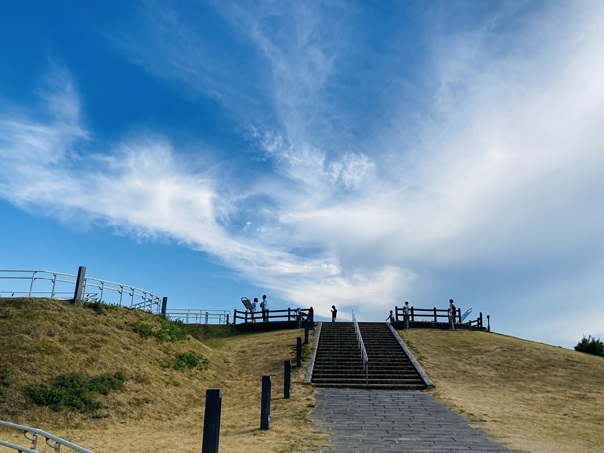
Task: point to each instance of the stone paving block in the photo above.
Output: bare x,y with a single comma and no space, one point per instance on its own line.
394,421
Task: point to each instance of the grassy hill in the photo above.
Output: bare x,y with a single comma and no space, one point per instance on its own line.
159,407
533,396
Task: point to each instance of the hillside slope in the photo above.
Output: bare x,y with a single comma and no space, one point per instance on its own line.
160,407
530,395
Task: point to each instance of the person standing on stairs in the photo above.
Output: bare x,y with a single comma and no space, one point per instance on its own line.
334,313
390,317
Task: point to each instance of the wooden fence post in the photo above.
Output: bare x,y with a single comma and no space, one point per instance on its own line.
164,305
299,352
287,378
435,318
79,288
211,421
265,408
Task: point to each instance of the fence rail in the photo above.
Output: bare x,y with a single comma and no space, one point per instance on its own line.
291,314
199,316
33,434
435,314
59,285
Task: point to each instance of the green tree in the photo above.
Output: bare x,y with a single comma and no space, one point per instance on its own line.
591,345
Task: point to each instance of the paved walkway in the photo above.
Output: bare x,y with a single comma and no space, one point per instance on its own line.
394,421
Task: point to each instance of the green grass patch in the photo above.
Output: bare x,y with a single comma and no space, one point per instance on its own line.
5,382
163,330
100,307
76,391
190,360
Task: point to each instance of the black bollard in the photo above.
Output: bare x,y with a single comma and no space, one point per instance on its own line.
299,352
265,408
211,421
306,331
287,378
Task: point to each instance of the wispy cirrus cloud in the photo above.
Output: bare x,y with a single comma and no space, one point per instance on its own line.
494,170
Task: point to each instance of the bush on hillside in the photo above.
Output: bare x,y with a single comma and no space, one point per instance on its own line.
591,345
165,330
100,307
76,391
191,360
5,382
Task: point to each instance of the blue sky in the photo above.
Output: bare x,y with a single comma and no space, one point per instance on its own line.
351,153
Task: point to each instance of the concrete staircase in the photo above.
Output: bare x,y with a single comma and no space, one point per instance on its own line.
338,361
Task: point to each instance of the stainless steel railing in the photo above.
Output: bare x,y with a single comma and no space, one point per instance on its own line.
59,285
33,434
361,347
199,316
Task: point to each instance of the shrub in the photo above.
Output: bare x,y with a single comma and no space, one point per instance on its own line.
100,307
5,382
590,345
165,330
76,391
191,360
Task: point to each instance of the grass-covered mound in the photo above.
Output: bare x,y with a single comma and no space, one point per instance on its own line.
116,379
534,396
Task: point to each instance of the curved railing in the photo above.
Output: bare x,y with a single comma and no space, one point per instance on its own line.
361,347
32,434
59,285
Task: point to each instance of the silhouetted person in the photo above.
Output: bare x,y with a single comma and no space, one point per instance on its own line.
390,317
254,306
334,313
452,313
264,306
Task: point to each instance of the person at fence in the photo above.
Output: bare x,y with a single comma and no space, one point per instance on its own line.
406,310
334,313
264,307
452,310
299,317
254,306
390,317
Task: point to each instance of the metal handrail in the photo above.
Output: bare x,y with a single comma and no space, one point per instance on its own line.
361,347
32,435
198,316
94,289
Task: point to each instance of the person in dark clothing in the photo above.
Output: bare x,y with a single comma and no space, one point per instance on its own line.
334,313
390,317
452,311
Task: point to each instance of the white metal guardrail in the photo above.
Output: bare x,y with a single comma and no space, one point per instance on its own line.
199,316
33,435
361,347
59,285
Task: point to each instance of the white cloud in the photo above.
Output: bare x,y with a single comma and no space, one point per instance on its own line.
505,174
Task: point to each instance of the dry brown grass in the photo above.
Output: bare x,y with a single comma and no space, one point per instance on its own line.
160,409
533,396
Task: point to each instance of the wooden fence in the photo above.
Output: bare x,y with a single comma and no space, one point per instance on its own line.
434,315
291,314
